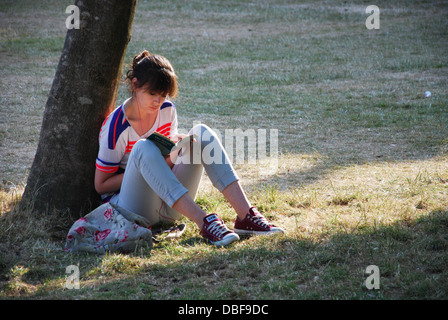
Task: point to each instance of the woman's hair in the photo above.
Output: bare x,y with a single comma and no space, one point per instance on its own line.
154,72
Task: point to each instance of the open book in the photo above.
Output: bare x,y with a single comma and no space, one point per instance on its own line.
166,145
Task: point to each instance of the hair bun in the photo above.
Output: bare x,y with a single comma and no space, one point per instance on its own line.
139,57
154,72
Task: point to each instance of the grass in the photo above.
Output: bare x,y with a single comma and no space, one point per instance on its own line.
363,155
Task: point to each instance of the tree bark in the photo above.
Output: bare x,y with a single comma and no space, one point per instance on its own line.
83,92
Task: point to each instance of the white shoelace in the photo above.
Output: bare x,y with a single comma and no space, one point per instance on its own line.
217,228
260,220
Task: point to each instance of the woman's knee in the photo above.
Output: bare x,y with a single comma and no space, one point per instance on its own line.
146,149
204,132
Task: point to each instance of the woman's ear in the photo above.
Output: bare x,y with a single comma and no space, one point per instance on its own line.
134,84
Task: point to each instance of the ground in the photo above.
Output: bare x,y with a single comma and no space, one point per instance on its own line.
362,176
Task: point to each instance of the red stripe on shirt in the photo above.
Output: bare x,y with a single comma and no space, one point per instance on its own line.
107,169
165,129
164,126
129,147
164,132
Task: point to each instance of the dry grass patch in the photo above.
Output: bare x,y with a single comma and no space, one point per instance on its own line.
362,167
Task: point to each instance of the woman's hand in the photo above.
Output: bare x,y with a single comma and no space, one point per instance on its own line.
178,137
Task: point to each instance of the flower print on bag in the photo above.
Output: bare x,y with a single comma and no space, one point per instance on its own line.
80,230
108,213
122,235
101,235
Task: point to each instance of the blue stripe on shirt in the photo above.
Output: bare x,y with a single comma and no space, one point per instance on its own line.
116,127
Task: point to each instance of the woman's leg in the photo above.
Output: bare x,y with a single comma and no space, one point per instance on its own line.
148,175
148,182
209,154
234,193
148,179
189,175
221,173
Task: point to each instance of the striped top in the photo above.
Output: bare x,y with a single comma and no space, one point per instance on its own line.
117,137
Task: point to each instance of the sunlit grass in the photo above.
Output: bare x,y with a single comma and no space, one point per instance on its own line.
362,172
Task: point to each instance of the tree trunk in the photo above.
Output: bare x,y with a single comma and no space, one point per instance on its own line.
83,92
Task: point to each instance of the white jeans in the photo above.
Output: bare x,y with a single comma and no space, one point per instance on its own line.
150,188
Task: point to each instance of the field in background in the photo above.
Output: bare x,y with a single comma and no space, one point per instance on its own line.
363,154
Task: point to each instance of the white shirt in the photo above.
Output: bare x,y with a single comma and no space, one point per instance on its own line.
117,137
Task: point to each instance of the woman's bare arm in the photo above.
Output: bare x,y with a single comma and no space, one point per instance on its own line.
107,182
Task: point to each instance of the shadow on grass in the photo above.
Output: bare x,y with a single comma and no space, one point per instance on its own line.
411,256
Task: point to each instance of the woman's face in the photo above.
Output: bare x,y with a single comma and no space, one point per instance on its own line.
149,100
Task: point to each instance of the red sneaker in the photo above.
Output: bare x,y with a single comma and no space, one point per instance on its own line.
215,231
255,223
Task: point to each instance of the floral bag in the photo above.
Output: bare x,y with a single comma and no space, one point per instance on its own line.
109,229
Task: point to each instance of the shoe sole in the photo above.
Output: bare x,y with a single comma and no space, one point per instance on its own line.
226,241
243,232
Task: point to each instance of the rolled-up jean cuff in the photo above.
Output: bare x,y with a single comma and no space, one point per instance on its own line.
174,195
222,182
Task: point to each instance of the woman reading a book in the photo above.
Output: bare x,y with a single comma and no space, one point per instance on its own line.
132,173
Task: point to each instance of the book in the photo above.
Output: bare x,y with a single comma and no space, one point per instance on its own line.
166,145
